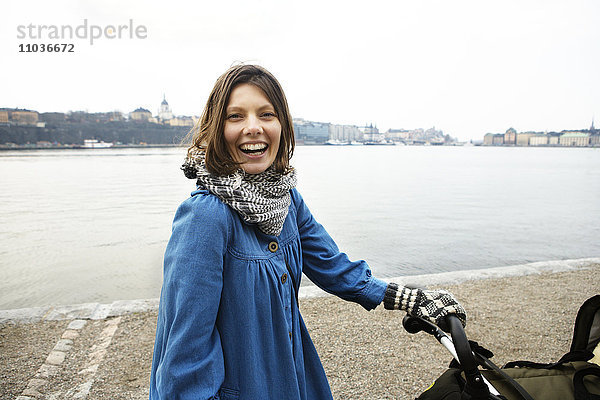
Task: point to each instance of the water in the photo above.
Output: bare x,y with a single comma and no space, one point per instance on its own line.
91,225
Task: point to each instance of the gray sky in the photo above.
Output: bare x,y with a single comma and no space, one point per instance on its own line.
466,67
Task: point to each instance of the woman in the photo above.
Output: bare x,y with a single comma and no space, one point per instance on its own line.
229,325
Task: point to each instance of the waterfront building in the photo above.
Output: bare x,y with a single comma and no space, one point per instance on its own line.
25,117
523,138
181,121
368,129
398,135
498,139
164,112
553,138
82,117
311,132
493,139
140,114
594,135
435,137
374,138
570,138
575,139
115,116
538,139
510,136
488,139
371,134
104,116
19,116
417,136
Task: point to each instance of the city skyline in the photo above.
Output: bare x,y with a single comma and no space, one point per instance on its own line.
164,107
467,68
17,124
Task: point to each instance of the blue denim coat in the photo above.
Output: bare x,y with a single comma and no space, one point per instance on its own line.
228,323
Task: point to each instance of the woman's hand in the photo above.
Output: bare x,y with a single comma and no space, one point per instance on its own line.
432,305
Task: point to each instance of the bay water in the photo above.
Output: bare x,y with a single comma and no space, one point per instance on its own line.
81,226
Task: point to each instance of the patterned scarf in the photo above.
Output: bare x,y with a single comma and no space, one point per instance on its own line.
262,199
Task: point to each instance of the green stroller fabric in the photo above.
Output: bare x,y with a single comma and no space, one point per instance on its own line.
573,377
541,384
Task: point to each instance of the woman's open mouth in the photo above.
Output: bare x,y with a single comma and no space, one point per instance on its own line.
254,149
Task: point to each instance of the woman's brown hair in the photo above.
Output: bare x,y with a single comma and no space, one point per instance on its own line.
207,135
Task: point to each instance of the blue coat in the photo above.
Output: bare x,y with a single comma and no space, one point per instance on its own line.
228,323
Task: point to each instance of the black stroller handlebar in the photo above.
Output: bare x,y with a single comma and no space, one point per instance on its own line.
476,386
465,356
461,343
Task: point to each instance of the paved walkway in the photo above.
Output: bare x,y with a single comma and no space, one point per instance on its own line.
100,351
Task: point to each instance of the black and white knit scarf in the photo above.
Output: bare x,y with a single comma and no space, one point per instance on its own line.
262,199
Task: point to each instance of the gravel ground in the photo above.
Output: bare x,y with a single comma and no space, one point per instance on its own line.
365,354
23,348
369,355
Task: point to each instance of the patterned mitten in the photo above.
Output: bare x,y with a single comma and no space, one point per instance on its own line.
432,305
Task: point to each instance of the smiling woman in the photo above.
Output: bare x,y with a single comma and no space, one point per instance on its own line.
229,325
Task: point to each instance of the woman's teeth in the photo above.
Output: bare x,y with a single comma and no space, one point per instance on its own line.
254,148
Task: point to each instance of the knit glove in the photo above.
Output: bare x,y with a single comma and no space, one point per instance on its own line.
432,305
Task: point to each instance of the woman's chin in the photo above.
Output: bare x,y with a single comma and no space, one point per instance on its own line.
253,164
255,167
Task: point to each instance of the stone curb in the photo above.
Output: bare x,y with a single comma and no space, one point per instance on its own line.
93,311
456,277
97,311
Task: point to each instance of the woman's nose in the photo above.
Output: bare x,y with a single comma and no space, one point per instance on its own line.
253,125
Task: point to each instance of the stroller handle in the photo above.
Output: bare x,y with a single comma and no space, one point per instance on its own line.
477,387
461,344
475,382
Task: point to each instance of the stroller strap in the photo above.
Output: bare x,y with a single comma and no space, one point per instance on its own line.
576,355
487,363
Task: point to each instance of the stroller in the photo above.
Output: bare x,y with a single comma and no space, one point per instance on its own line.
576,376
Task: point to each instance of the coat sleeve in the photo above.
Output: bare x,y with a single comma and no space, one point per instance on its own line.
330,269
188,358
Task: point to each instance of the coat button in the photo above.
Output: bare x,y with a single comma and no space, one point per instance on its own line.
273,246
284,278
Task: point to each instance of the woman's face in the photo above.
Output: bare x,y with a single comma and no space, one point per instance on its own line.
252,129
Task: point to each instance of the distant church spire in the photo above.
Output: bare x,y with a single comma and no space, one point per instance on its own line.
592,127
164,112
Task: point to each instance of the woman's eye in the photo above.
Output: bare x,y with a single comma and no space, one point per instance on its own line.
234,116
269,115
